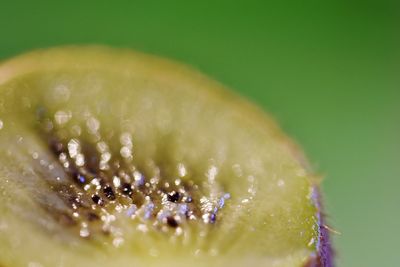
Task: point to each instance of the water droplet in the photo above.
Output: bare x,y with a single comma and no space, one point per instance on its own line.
84,232
182,170
118,241
126,140
93,125
61,93
73,148
116,181
131,210
142,228
212,173
62,117
80,160
281,183
139,178
126,152
245,201
311,242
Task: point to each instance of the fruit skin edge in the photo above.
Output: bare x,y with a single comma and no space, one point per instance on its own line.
324,254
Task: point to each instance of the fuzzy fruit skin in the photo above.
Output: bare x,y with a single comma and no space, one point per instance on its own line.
324,254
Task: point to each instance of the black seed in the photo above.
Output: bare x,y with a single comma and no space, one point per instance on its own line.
66,219
92,158
108,192
173,196
74,201
105,232
126,189
81,179
56,146
213,217
189,199
75,175
172,222
188,213
92,216
96,199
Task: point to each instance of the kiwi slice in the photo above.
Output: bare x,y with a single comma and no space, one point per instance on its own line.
115,158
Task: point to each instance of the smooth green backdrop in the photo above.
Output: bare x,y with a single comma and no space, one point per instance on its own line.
327,70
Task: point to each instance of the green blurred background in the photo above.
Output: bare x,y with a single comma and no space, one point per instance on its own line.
327,70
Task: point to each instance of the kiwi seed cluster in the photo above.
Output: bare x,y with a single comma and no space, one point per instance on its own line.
106,185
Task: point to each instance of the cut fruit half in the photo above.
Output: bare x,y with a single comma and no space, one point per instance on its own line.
115,158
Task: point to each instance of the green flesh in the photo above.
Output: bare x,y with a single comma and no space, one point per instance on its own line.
176,118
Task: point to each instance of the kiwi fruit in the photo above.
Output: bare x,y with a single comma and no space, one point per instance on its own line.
111,157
